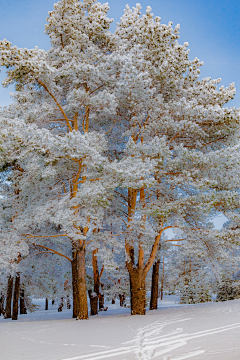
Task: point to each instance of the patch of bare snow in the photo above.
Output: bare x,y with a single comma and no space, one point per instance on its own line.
208,331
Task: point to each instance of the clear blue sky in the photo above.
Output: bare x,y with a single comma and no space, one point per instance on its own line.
211,27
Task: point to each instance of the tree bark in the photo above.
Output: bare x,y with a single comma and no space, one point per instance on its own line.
154,289
8,307
101,297
96,278
122,299
23,309
162,280
46,304
75,286
82,286
2,311
16,297
93,302
137,292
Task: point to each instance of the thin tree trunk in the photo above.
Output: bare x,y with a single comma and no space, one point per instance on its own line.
23,309
2,311
138,292
122,299
75,286
8,307
101,297
162,280
95,295
46,304
154,289
82,286
16,297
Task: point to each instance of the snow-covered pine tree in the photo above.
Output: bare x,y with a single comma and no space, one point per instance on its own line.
62,91
176,157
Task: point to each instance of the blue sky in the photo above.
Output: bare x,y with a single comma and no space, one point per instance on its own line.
211,27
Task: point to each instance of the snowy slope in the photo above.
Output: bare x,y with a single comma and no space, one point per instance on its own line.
205,331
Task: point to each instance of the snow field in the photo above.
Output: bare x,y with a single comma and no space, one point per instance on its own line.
208,331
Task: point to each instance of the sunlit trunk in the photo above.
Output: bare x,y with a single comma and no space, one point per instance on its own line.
82,286
137,292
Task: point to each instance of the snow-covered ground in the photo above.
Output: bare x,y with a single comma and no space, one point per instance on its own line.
205,331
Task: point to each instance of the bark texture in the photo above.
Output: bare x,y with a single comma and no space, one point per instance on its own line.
96,278
75,286
8,307
2,311
23,309
101,297
82,286
16,297
93,302
154,289
138,292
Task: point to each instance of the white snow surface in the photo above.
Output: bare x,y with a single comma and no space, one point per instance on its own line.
209,331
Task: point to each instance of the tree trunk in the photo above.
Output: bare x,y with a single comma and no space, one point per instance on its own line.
138,292
162,280
46,304
93,302
23,309
154,289
82,287
8,307
75,286
96,278
122,299
2,311
16,297
101,297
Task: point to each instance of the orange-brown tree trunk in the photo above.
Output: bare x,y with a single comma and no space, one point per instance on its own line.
137,292
75,286
154,289
82,286
16,297
8,306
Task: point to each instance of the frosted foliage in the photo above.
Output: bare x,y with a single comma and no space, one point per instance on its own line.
111,140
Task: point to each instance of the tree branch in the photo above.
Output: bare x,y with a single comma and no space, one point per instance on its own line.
59,106
53,251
